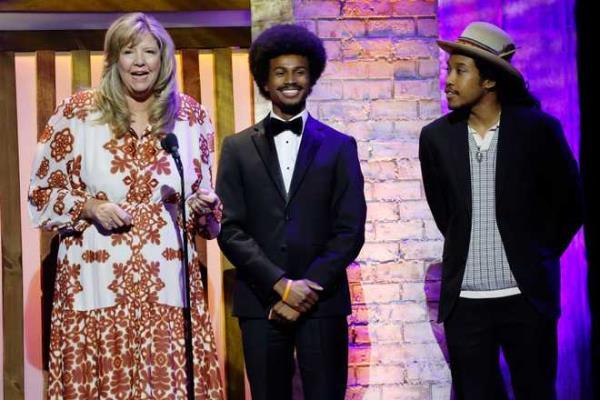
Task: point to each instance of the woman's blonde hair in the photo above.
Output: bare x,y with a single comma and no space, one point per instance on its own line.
110,96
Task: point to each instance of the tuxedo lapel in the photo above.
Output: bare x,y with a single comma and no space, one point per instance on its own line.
311,141
268,153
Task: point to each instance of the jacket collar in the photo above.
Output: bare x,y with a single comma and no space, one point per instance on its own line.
311,141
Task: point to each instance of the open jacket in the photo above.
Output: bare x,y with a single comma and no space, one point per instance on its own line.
538,200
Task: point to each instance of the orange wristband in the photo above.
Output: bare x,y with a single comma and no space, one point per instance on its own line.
286,292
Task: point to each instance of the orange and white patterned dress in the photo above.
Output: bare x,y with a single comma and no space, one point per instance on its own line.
117,319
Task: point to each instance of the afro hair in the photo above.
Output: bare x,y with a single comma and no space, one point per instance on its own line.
286,39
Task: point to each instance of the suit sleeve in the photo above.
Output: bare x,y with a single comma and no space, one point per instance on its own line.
348,233
564,196
433,184
237,245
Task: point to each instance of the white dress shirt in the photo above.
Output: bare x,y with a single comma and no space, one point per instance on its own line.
287,144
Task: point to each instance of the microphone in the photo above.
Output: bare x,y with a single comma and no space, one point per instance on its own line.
170,145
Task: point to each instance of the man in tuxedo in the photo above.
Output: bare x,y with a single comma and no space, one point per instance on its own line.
293,220
505,193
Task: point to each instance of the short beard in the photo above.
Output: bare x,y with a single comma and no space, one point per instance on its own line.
293,109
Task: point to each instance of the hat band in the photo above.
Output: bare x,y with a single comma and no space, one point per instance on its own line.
478,45
506,53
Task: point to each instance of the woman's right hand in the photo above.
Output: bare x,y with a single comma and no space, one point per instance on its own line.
108,215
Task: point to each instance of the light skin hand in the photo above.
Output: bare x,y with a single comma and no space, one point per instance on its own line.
203,201
303,293
106,214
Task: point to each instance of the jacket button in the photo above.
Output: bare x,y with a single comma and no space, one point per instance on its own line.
283,248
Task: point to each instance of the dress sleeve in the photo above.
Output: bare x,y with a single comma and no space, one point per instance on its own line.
207,225
56,191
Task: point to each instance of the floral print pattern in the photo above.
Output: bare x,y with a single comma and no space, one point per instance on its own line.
117,320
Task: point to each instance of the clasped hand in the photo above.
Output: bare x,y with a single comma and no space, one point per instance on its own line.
203,201
106,214
301,296
110,216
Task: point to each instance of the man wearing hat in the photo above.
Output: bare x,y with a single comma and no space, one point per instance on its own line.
293,219
505,193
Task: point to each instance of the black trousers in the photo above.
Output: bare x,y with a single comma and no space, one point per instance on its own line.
321,346
475,332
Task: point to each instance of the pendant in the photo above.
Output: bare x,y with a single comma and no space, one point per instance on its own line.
479,155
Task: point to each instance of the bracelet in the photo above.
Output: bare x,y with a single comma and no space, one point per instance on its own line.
286,292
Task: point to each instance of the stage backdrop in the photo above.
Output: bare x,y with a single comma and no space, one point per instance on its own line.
381,86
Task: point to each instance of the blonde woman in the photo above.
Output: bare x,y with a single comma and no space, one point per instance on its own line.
101,179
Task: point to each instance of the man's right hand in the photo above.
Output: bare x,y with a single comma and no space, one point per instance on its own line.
282,312
302,295
108,215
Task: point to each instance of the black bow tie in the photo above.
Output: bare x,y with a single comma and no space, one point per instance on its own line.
278,126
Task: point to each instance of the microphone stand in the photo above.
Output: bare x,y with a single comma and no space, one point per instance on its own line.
187,316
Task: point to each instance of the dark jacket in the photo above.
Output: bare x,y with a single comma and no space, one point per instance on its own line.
315,232
538,200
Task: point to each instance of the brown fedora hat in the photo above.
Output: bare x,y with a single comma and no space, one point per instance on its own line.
486,41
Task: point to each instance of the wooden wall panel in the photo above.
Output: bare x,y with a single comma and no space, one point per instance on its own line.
12,268
191,73
243,90
184,38
191,87
26,99
63,75
214,271
82,70
97,66
46,86
46,103
206,60
225,125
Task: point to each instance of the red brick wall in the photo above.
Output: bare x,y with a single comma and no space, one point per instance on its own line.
381,86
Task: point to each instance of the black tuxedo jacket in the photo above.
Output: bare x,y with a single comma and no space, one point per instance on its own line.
538,200
313,232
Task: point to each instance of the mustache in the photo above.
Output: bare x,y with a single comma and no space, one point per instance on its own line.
290,87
